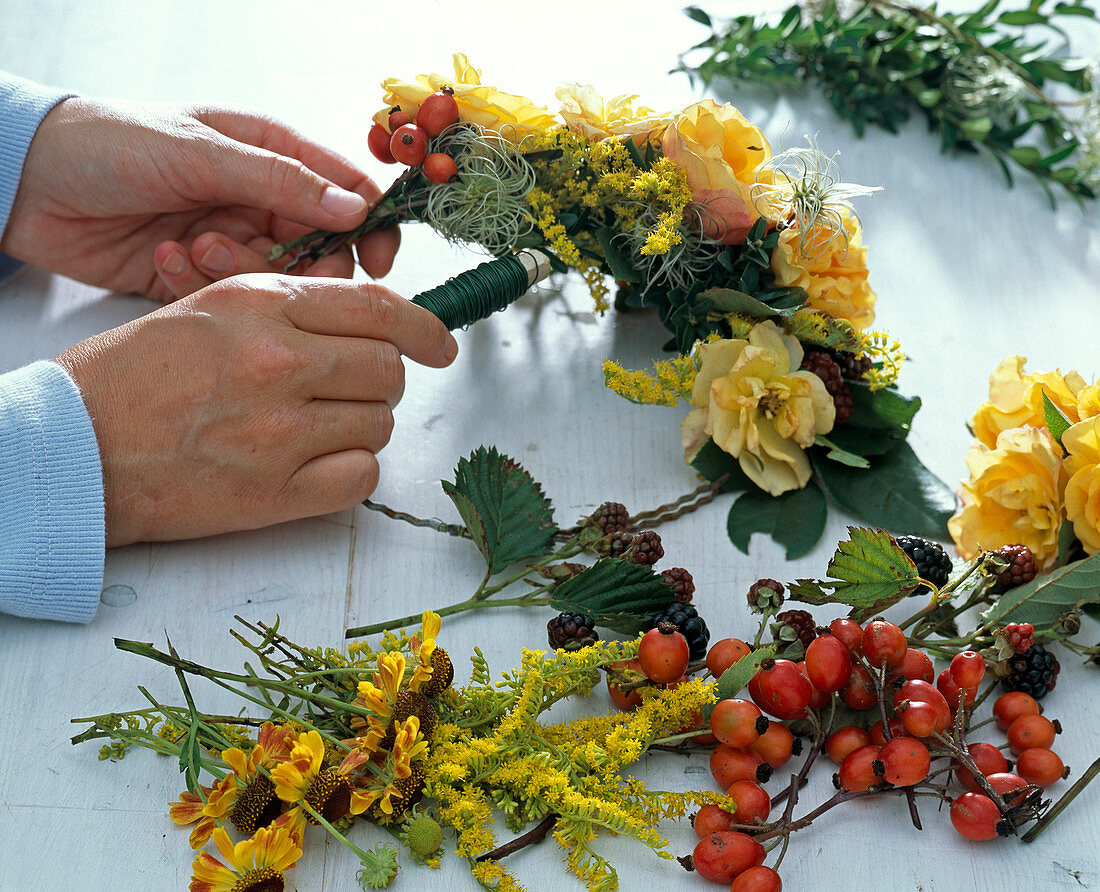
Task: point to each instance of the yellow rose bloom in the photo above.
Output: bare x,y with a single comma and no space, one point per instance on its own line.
833,274
512,116
1014,496
757,405
720,151
1082,442
1016,399
593,118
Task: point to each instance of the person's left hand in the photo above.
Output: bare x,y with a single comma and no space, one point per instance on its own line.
163,200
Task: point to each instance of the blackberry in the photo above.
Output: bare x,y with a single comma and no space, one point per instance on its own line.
683,586
646,548
932,561
851,368
764,595
611,517
1021,567
802,622
1034,672
824,366
688,623
615,544
571,631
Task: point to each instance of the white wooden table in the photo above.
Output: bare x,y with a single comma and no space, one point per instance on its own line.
966,271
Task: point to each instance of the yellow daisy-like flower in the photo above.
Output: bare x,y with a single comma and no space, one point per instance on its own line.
254,865
1082,442
757,405
302,779
510,115
430,625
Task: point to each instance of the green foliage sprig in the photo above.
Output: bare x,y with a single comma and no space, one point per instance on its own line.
984,80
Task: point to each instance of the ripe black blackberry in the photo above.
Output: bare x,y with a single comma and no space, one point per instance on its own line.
683,586
851,368
646,548
1021,568
571,631
611,517
1034,672
932,561
688,623
825,367
802,622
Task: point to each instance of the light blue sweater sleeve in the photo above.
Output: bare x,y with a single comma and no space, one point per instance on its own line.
51,483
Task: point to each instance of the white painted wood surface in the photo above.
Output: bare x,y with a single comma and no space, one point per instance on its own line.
966,272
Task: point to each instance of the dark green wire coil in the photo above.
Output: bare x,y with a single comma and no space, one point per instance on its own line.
476,293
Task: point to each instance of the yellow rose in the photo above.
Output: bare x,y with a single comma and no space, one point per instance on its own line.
1016,399
1082,442
757,405
1014,496
834,275
512,116
720,151
593,118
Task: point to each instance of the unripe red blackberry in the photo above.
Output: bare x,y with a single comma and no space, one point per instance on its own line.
1020,636
764,595
611,517
683,586
646,548
443,673
801,621
1021,568
571,631
1034,672
824,366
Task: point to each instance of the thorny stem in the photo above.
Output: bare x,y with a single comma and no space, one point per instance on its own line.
1058,806
878,676
536,834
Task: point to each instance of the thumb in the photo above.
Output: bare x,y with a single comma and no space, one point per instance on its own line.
254,177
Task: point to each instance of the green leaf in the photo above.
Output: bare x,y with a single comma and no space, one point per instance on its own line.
1057,423
976,128
896,492
1028,156
837,454
929,98
868,572
1059,154
726,300
617,594
713,462
1075,9
1043,600
738,675
1022,17
795,519
503,507
698,15
617,259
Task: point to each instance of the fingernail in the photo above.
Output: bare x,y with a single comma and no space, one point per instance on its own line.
340,202
450,351
218,258
175,264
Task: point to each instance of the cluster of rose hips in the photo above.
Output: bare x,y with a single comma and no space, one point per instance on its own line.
867,667
407,138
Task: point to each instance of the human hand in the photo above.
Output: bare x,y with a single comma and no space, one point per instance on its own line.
162,200
257,400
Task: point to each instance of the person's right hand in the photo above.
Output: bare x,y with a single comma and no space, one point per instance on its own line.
256,400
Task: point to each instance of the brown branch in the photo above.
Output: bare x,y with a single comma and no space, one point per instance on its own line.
536,834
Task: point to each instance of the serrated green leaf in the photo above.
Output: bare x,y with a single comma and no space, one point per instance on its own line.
868,573
504,509
896,492
1056,422
795,519
617,594
1043,600
738,675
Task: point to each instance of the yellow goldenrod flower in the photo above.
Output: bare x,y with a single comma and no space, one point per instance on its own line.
254,865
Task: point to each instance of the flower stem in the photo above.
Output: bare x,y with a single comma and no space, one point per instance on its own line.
462,606
1058,806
